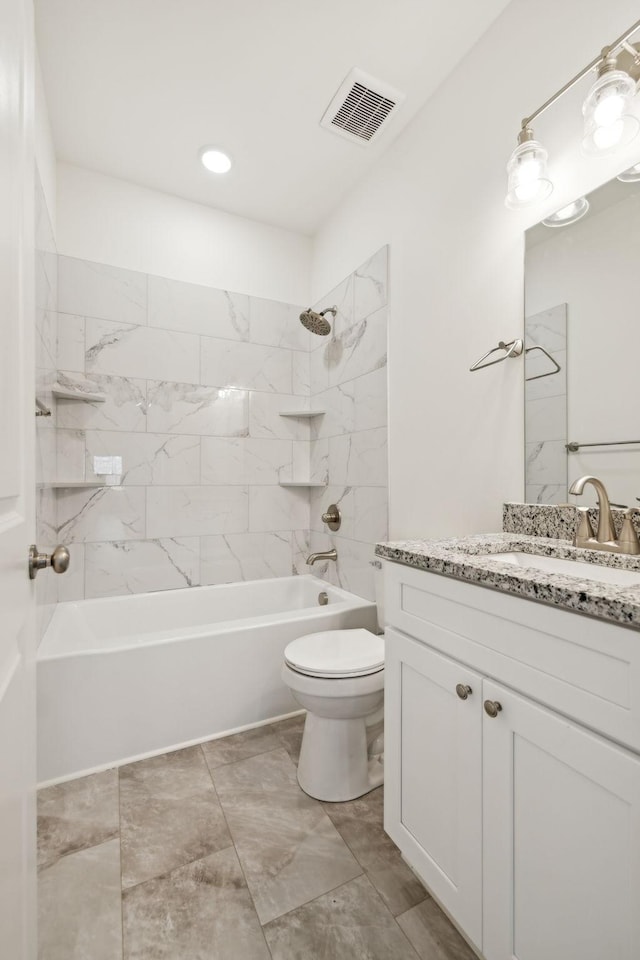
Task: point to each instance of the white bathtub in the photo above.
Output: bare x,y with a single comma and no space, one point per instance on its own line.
126,677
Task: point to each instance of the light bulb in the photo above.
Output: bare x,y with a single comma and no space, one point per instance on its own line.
527,172
608,118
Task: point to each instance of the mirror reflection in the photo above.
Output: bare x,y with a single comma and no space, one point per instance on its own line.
582,346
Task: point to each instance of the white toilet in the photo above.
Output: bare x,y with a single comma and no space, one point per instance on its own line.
338,676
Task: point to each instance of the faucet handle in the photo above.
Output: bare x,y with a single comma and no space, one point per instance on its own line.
584,529
628,538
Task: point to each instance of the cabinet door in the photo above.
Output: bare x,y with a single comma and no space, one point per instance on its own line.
433,760
561,838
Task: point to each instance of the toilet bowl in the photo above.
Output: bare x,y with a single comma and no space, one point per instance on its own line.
338,676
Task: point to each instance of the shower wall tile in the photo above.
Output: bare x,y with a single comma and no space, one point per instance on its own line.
370,285
97,290
191,409
546,462
192,308
70,343
250,366
106,513
150,458
124,350
139,566
125,406
265,419
278,508
349,443
359,350
278,325
247,460
192,511
195,380
246,556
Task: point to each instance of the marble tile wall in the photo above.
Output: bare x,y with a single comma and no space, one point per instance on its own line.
46,282
189,443
348,373
546,408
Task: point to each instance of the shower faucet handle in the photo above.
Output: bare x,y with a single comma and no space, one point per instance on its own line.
332,517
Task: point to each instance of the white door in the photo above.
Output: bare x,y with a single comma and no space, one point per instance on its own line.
17,395
433,783
561,838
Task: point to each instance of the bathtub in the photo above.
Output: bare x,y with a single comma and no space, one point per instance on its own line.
122,678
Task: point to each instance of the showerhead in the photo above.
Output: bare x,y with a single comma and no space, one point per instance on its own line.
316,322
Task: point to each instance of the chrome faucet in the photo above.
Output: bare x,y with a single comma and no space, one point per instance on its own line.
605,538
322,555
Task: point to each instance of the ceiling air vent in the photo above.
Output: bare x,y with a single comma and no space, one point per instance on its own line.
361,107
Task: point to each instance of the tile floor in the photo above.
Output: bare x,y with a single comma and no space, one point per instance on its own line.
214,853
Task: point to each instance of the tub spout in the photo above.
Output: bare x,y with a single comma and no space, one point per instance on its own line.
323,555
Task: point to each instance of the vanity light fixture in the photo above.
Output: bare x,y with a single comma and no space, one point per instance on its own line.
609,121
632,175
569,214
214,160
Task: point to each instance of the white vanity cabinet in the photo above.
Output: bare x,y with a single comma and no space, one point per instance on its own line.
525,825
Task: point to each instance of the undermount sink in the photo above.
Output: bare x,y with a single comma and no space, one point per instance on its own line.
571,568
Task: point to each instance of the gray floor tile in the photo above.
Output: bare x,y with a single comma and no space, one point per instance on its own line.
240,746
251,743
350,923
79,906
169,815
433,935
202,911
77,814
359,822
289,849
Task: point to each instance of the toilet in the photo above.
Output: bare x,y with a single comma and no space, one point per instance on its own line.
338,676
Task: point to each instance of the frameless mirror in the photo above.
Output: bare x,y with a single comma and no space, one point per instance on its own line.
582,349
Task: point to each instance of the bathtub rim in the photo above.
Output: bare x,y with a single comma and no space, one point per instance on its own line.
346,601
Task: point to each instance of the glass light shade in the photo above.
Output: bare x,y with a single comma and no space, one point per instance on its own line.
215,160
569,214
609,122
632,175
527,172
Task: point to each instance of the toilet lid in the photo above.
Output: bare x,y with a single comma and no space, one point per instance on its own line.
336,653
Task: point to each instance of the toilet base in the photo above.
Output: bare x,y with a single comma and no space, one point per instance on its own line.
334,763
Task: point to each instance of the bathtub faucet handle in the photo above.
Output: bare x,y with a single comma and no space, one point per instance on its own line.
58,560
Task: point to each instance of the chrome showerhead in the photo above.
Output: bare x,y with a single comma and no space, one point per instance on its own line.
316,322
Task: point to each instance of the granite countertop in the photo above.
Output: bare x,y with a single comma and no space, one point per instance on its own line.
466,559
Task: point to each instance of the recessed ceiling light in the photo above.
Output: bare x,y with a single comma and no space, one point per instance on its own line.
215,160
569,214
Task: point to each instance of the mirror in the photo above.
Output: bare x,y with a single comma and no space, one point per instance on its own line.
582,350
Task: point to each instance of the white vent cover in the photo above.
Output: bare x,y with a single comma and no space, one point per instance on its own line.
361,107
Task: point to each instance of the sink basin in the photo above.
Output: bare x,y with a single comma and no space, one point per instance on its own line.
571,568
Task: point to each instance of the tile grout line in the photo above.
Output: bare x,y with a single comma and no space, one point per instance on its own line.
235,849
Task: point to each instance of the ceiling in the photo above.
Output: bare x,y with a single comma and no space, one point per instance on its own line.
136,87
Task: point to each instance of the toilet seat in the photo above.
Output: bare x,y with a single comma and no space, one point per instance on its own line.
336,654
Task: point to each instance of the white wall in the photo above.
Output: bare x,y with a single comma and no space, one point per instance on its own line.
456,280
45,154
114,222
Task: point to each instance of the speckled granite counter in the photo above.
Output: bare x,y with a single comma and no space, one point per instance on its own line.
469,559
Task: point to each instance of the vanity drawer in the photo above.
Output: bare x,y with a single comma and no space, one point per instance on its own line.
584,668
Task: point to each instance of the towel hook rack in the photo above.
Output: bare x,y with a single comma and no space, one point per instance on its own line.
512,349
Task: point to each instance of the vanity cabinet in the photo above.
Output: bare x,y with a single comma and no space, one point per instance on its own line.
524,824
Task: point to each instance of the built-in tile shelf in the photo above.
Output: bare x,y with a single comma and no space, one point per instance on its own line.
302,414
301,483
70,484
68,393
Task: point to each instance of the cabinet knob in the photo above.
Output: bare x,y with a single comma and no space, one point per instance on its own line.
463,690
492,707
